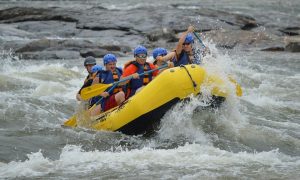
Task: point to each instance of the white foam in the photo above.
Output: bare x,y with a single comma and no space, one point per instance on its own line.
36,165
178,122
49,79
181,122
127,6
49,89
73,160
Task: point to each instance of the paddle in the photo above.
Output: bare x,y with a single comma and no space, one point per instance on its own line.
97,89
199,39
238,88
203,46
71,122
93,90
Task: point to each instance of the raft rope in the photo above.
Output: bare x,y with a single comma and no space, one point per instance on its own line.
194,84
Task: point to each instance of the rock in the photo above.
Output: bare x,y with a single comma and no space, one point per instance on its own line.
38,45
291,31
7,30
46,55
97,53
273,49
16,12
123,49
20,14
13,45
87,33
293,47
43,29
292,44
59,32
134,20
230,38
165,33
111,48
77,43
245,22
66,54
64,47
124,40
55,44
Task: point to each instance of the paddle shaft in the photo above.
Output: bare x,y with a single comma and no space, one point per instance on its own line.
130,77
126,79
198,37
109,91
97,89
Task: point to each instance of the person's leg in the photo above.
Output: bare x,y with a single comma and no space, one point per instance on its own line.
120,97
96,110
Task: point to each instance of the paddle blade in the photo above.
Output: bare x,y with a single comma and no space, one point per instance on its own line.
94,90
239,91
238,88
71,122
219,87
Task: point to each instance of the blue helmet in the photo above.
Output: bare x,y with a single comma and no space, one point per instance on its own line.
140,50
189,38
159,52
109,58
90,60
96,68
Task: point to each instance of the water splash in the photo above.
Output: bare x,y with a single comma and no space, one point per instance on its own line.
207,161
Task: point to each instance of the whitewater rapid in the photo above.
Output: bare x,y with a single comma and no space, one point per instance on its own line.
255,136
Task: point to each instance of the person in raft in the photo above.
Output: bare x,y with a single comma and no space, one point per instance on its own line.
134,68
110,75
184,52
161,56
89,62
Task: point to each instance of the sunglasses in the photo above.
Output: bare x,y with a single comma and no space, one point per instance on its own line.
142,56
162,54
186,44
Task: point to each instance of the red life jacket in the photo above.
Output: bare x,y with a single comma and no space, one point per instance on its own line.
134,84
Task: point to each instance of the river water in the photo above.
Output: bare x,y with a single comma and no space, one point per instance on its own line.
256,136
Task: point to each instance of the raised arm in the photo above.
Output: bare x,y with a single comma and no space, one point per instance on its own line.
167,57
182,39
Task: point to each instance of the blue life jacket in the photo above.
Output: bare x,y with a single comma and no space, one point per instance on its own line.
107,77
135,84
182,59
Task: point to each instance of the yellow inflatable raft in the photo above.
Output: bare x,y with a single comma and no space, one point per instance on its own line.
142,112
